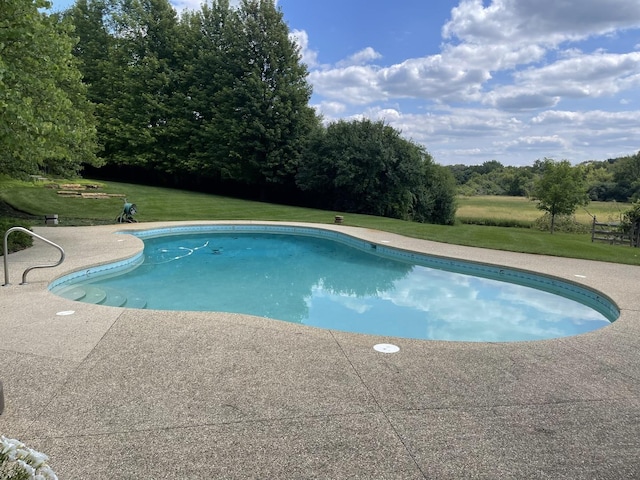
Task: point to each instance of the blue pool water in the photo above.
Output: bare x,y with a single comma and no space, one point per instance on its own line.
333,281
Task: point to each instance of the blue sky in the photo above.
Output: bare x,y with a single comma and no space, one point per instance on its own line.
473,80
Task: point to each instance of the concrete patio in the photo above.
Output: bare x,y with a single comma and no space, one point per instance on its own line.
115,393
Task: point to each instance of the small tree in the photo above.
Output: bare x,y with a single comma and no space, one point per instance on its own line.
560,189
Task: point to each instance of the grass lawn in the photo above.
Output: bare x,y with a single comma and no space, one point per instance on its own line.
161,204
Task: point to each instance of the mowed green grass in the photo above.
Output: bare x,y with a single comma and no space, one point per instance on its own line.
154,204
162,204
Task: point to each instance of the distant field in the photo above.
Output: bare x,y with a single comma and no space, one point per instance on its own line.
523,210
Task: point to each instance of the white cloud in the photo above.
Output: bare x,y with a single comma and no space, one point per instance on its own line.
301,38
577,19
519,98
578,76
330,109
586,75
386,114
433,78
354,85
545,22
362,57
493,57
536,142
429,78
592,118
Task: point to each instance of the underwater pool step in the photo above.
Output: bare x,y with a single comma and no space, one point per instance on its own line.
135,301
117,298
109,297
75,293
93,294
113,298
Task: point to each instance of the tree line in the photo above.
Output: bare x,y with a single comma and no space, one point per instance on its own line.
616,179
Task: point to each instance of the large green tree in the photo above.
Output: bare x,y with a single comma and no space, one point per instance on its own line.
127,52
46,122
210,79
560,189
367,167
268,103
219,94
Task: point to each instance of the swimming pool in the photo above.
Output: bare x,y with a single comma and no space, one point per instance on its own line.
330,280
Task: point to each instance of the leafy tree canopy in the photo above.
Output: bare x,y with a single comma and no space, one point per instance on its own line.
367,167
45,118
219,94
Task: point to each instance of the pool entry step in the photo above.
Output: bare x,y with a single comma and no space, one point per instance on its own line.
101,296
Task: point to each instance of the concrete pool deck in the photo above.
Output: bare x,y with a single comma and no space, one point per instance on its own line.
111,393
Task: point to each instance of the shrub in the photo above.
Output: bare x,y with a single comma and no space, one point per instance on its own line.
495,222
632,215
630,223
562,223
17,240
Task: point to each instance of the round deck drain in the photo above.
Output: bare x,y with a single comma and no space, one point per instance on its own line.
386,348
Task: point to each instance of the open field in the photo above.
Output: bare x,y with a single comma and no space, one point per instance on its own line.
161,204
523,210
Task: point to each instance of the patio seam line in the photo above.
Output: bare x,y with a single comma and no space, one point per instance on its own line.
52,357
467,407
375,400
207,424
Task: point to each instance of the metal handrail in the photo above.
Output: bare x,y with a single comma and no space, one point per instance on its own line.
6,254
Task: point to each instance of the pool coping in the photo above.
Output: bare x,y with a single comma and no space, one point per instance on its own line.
596,385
